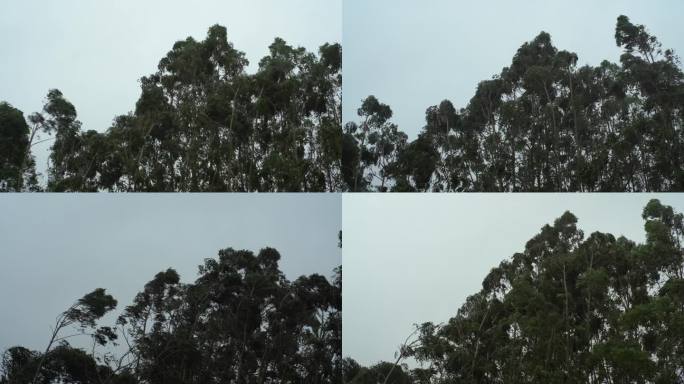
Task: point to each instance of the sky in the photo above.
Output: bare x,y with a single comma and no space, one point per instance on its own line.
413,54
54,248
96,51
413,258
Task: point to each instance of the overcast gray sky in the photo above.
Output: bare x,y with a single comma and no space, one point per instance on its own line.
54,248
413,54
412,258
96,51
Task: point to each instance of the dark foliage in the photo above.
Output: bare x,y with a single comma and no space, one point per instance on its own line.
240,322
542,124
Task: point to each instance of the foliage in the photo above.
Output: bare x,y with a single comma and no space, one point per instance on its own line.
570,309
17,166
542,124
202,123
240,322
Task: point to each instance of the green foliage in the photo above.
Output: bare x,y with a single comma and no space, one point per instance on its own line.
569,309
17,169
91,307
372,148
240,322
376,374
202,123
541,124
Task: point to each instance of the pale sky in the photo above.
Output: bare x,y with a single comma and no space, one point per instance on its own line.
413,54
54,248
413,258
96,51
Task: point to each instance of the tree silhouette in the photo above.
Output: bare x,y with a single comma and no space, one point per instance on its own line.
541,124
241,321
17,166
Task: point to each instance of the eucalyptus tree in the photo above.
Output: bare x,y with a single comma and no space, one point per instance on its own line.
382,372
546,124
13,147
568,308
241,321
377,141
59,362
17,165
203,123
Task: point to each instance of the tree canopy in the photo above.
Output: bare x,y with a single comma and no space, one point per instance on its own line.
241,321
17,169
567,309
201,123
541,124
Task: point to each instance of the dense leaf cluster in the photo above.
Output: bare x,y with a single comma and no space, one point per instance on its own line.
17,168
201,123
568,309
240,322
542,124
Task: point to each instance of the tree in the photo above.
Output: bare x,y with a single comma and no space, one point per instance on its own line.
378,143
83,313
241,321
17,166
202,123
545,124
567,308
